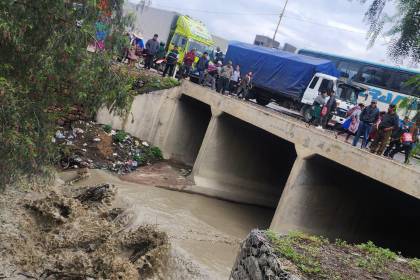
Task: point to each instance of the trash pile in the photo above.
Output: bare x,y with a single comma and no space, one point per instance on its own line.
91,145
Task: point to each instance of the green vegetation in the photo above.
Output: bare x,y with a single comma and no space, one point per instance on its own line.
156,153
45,70
120,136
301,249
415,264
316,258
107,128
376,258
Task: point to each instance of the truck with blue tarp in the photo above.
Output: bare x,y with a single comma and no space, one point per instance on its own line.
292,80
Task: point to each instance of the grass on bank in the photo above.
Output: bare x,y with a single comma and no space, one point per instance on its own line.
315,257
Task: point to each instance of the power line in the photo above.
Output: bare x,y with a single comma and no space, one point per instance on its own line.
300,18
215,12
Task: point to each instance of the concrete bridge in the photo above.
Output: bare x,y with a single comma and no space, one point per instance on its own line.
250,154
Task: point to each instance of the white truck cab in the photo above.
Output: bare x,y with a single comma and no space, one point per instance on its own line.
346,96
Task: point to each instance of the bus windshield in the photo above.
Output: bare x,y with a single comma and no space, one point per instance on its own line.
199,47
346,93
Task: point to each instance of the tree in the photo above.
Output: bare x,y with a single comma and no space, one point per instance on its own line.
45,65
404,27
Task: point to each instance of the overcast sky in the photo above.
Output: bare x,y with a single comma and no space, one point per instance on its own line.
334,26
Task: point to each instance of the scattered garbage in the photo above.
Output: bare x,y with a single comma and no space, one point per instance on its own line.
91,145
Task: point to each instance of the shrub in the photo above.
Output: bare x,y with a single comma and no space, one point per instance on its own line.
107,128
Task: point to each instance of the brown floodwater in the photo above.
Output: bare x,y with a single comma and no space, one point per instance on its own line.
205,233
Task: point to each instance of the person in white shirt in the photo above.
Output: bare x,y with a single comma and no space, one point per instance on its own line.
234,80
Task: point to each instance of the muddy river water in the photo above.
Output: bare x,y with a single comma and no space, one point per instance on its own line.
205,233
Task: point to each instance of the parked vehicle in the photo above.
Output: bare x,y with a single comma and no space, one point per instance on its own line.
386,84
292,80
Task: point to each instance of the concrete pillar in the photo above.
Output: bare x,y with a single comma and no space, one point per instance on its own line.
325,198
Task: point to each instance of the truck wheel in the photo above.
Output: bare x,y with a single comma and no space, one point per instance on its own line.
263,101
307,113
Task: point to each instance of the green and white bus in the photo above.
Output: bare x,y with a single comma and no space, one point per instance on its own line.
386,84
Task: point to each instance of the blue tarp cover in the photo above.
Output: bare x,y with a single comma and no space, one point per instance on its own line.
277,71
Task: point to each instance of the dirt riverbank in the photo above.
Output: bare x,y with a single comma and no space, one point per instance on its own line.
52,231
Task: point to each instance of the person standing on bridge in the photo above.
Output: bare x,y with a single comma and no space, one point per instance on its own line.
152,47
188,62
368,117
329,107
351,125
389,122
319,102
225,76
407,140
171,60
234,80
202,66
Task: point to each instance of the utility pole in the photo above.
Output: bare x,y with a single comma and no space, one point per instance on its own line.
278,24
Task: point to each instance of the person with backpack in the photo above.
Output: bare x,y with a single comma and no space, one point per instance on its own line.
396,136
351,125
317,106
408,140
171,60
328,108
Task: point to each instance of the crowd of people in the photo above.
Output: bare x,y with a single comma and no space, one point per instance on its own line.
381,132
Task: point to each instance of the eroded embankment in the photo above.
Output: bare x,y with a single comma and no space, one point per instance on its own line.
74,233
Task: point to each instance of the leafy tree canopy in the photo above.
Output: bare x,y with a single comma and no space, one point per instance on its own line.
404,26
45,65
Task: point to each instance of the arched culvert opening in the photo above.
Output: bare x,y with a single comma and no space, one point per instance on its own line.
189,125
332,200
243,163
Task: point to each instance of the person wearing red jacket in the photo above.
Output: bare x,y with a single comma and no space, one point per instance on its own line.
188,62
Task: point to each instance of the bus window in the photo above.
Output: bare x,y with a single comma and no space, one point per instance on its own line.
373,76
350,68
399,83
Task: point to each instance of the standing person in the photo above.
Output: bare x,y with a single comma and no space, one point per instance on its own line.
219,71
368,117
409,138
389,122
171,60
351,125
244,86
396,136
330,106
202,65
218,56
187,64
152,47
319,102
225,76
161,52
234,80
